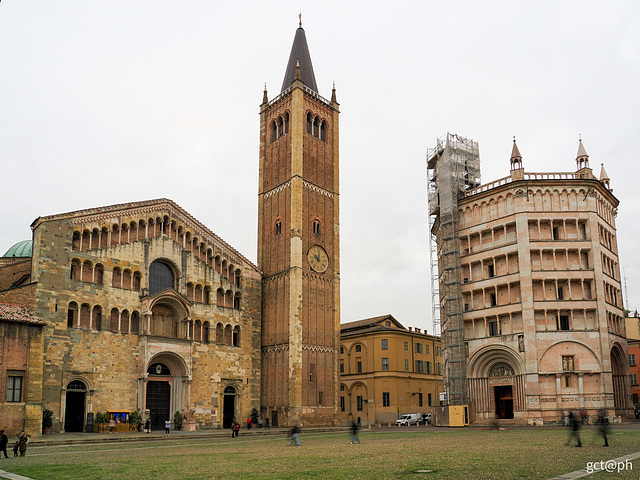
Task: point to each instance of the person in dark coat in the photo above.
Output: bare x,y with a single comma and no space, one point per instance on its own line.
3,443
22,443
575,429
354,433
603,427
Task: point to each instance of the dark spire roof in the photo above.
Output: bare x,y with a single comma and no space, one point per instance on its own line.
300,54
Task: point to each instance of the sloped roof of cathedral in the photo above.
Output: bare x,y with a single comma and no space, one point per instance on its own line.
139,208
300,53
371,324
19,314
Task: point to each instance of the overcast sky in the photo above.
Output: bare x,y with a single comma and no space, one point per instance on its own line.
111,102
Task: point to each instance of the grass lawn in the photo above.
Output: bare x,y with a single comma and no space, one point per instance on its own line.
386,454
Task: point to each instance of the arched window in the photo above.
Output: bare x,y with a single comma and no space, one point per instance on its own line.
117,278
220,297
190,291
228,335
274,131
238,275
207,295
136,281
87,271
76,386
160,277
280,127
316,126
75,269
75,242
219,334
278,227
126,279
95,238
236,336
205,332
135,322
114,324
85,316
98,274
309,122
323,133
197,331
96,318
72,315
236,301
286,122
316,227
198,295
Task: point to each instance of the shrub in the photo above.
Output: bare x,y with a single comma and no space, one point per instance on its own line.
177,420
47,418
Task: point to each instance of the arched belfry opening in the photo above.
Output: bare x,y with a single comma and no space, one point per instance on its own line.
166,391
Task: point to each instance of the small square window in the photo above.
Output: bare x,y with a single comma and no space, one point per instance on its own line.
384,344
385,364
358,348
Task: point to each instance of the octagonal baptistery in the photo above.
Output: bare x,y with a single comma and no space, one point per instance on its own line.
540,296
148,310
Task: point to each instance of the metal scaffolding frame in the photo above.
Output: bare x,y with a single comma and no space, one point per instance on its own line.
453,167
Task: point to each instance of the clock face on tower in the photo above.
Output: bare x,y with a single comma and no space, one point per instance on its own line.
318,259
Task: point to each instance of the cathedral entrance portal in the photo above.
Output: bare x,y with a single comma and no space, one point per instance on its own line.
75,406
229,407
158,403
504,401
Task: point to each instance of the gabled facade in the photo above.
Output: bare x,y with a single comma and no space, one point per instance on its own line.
386,371
147,309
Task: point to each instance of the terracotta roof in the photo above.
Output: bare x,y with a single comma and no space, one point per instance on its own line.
19,314
371,323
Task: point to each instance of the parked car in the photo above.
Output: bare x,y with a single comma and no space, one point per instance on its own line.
425,419
408,419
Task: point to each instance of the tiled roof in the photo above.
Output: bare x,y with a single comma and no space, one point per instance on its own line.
371,323
19,314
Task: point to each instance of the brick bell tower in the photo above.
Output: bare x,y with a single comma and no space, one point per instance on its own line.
299,247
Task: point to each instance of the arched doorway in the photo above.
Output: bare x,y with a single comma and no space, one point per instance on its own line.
228,407
158,399
619,383
503,393
74,410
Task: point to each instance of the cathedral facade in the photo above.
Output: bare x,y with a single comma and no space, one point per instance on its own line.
147,309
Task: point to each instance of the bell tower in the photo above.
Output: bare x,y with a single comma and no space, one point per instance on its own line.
299,247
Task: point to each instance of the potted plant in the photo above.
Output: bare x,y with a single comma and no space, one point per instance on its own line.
101,420
177,420
47,420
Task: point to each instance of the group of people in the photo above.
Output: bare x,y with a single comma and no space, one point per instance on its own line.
577,420
20,444
258,423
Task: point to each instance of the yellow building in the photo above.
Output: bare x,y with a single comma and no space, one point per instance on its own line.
387,370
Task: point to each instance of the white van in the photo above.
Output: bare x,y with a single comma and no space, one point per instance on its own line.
409,419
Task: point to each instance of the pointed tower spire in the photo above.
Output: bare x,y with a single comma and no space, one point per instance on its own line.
333,93
516,158
265,98
582,159
300,56
604,178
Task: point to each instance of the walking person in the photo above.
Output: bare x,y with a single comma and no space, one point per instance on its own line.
354,433
267,423
603,427
575,429
167,426
233,429
237,429
22,443
3,443
295,435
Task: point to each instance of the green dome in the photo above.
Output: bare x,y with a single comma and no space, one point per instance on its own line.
20,250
